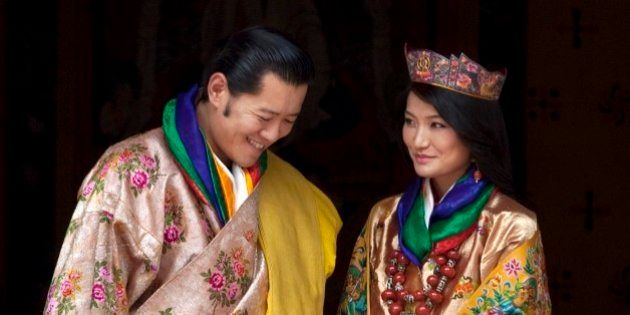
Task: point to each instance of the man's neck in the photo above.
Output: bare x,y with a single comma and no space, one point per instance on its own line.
203,118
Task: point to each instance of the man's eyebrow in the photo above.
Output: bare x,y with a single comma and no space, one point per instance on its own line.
269,111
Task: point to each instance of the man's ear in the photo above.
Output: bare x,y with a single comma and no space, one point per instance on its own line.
218,91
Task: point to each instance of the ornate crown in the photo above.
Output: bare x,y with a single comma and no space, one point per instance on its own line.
461,75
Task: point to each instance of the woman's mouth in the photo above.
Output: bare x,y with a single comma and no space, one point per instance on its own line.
423,158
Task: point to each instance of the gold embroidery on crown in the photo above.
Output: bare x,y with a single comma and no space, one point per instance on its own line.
462,75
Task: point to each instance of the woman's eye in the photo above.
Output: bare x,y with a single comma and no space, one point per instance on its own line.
437,125
289,121
262,118
408,121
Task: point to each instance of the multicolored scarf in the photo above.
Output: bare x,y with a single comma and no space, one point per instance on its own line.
451,222
186,140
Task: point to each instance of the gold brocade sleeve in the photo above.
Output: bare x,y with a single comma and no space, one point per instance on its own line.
358,296
354,296
517,285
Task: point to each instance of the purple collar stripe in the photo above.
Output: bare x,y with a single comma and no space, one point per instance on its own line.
462,194
188,129
404,207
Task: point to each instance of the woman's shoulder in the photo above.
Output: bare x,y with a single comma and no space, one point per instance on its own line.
384,207
507,213
388,201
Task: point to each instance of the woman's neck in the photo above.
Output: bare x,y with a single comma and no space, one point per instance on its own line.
441,185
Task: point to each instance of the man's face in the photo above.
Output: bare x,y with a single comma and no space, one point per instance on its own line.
241,127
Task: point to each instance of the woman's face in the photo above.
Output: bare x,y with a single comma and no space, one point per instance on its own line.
434,147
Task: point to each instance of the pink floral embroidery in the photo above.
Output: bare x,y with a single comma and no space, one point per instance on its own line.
98,292
173,222
66,288
108,291
134,163
74,275
120,291
62,292
171,234
140,179
216,281
106,216
125,156
236,254
249,235
105,274
228,279
52,306
147,161
232,291
104,171
238,268
88,189
512,267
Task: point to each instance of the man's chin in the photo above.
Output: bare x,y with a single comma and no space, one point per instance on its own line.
248,162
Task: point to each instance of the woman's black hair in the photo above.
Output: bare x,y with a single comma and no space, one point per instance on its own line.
249,54
478,123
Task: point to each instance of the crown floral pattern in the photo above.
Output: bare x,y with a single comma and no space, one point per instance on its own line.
462,75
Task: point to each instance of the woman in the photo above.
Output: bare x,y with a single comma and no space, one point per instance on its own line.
454,242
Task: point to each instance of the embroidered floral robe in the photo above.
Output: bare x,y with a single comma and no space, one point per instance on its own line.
501,269
141,241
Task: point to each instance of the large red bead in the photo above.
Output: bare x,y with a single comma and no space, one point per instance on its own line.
435,297
391,270
440,260
419,296
402,294
399,278
403,260
395,308
389,295
453,254
448,272
422,310
433,280
394,254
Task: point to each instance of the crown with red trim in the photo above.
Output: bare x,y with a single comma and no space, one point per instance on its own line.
461,75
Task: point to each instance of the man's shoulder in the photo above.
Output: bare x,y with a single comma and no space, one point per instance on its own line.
148,138
139,148
277,166
286,178
136,163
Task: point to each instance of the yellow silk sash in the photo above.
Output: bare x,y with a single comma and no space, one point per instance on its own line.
298,232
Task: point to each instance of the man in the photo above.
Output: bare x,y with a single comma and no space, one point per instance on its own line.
197,217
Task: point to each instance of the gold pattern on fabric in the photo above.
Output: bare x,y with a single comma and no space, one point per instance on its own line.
504,228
